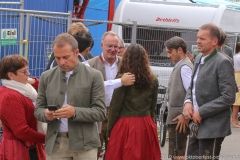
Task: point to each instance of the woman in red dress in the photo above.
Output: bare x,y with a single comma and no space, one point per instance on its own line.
17,111
131,129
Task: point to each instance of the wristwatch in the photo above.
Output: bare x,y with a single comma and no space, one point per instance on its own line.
74,116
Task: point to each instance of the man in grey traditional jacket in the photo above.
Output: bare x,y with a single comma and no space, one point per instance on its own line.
209,97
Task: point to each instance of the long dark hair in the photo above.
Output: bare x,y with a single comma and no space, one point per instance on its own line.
135,60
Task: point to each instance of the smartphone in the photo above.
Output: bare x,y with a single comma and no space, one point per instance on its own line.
52,107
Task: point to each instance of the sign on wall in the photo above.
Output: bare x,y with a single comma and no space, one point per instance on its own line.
8,36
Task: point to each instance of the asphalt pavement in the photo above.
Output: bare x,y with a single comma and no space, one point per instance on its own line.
230,147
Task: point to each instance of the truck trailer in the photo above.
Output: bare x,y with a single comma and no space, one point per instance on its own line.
157,21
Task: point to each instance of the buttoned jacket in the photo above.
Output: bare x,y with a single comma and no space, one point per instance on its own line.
85,91
215,94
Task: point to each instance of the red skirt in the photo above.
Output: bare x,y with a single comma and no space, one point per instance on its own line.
133,138
15,150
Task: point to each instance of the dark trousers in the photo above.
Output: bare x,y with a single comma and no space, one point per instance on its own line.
204,148
177,142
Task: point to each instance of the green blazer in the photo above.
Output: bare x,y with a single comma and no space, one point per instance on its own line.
131,101
85,91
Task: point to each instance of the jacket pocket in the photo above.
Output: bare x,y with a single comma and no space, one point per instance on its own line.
90,133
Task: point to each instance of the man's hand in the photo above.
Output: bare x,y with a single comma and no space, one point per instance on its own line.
197,118
188,110
182,123
67,111
128,79
49,115
190,56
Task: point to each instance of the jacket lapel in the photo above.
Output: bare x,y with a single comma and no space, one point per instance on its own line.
102,67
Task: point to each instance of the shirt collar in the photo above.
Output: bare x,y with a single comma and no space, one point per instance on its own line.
106,61
202,59
179,62
83,58
69,73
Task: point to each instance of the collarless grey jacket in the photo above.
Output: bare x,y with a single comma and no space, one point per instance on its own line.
215,94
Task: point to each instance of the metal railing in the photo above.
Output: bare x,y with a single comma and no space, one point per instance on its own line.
34,39
40,28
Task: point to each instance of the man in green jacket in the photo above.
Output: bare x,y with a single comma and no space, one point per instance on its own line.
79,90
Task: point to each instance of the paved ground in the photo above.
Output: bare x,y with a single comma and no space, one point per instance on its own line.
230,147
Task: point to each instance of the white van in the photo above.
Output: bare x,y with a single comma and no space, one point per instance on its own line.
167,19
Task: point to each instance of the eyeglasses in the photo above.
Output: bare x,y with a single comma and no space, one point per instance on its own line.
24,71
121,47
112,46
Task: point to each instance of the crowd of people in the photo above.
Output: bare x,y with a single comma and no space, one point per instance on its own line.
111,99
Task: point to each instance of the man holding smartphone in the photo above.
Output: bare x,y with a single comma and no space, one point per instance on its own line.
53,107
79,90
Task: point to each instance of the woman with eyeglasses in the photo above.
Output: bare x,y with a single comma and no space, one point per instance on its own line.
17,99
131,129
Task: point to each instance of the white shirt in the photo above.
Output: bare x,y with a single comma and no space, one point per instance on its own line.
51,66
111,83
64,121
186,73
82,56
194,102
84,60
236,59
